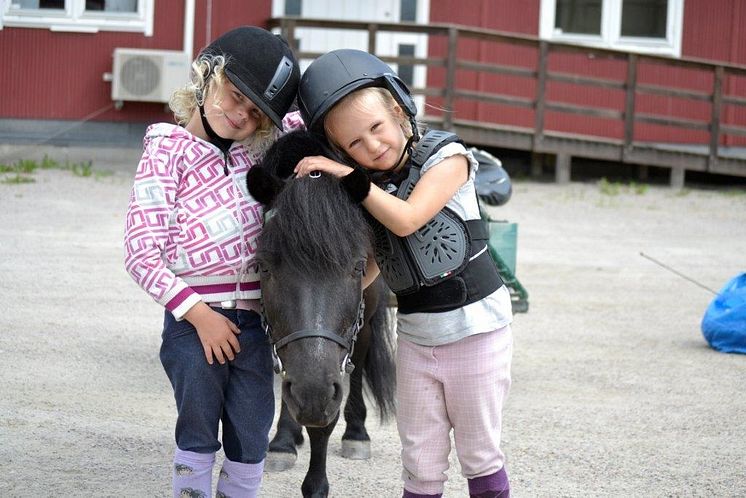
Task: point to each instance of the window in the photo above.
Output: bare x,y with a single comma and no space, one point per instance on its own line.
87,16
292,7
408,10
406,71
648,26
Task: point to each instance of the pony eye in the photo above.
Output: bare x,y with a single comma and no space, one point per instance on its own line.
360,268
263,269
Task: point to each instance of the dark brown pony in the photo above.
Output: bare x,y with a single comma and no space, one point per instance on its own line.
311,256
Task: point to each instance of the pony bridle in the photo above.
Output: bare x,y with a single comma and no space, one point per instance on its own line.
346,366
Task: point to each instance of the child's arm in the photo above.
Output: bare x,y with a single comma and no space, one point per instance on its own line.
434,189
403,217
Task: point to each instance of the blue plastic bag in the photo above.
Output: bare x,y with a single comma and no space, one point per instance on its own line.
724,323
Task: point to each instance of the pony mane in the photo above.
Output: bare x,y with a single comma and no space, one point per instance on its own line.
315,228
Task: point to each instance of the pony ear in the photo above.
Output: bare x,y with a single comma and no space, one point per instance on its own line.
263,186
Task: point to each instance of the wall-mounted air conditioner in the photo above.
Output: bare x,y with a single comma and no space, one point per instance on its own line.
145,75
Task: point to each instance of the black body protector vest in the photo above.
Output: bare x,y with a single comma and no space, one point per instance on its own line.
445,264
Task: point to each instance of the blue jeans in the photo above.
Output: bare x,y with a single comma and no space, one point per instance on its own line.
238,393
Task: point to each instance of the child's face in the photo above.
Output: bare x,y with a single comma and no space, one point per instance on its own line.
367,131
230,113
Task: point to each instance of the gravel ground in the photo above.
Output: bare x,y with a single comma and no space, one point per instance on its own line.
615,391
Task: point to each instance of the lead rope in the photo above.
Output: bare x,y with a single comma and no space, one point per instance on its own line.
64,129
276,361
347,365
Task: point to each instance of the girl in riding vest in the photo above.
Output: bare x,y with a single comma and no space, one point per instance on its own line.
190,242
454,313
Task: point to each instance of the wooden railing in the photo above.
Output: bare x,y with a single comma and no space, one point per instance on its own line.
712,156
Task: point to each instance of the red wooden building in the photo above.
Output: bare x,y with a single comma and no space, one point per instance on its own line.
706,30
509,68
55,71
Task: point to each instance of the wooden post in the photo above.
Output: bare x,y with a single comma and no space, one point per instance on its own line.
629,105
562,168
642,173
677,178
450,78
717,106
372,31
287,30
541,82
537,164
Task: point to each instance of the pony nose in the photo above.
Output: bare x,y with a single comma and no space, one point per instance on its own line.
309,395
314,406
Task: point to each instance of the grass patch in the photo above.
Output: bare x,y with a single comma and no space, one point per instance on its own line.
19,171
735,192
609,188
82,169
615,188
17,179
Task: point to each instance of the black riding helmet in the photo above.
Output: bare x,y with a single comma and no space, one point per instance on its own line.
338,73
262,66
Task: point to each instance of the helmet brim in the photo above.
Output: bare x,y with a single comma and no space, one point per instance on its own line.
259,102
338,73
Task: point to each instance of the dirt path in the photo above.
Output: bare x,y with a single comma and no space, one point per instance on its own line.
615,392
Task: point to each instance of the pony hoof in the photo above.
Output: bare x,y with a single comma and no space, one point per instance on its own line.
279,462
355,450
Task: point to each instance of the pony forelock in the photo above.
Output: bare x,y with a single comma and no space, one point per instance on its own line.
315,227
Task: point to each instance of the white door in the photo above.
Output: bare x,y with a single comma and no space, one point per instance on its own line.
387,44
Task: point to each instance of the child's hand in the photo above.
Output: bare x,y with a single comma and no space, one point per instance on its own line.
216,333
323,164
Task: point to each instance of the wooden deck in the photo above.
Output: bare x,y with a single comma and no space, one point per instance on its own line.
710,155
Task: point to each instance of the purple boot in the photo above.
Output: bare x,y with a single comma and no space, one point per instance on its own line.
409,494
492,486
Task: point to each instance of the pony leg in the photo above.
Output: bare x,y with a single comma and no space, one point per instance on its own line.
316,484
355,440
373,361
282,449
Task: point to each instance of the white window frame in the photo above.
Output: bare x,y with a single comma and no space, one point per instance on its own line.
74,18
611,26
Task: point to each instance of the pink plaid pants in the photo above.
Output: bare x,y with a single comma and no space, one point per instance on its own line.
460,386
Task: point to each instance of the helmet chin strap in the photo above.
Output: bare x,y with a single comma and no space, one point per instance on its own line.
388,175
407,151
224,144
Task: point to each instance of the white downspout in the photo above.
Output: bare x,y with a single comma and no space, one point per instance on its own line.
189,28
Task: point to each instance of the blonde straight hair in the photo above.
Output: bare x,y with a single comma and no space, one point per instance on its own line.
362,99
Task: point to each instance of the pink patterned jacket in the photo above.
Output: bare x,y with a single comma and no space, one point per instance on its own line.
192,229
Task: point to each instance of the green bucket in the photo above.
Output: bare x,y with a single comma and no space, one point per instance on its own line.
503,240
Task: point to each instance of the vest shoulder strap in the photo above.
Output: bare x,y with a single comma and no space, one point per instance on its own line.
431,143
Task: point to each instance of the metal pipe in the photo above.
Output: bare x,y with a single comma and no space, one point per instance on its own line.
188,45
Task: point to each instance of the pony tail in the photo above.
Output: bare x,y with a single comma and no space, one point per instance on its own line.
379,369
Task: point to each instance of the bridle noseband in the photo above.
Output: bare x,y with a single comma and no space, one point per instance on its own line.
349,344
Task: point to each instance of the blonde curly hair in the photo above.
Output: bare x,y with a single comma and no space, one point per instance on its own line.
208,74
